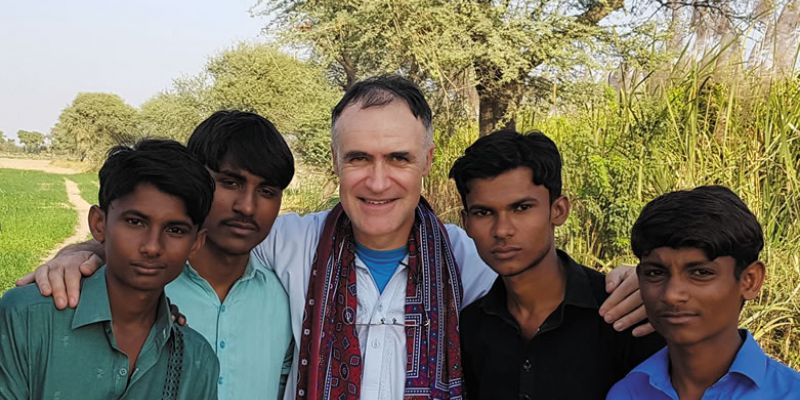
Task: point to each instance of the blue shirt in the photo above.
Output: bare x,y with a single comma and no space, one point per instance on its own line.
250,331
753,375
381,263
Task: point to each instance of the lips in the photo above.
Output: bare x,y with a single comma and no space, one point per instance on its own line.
146,268
505,252
677,317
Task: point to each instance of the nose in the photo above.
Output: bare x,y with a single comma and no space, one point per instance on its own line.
151,243
245,202
378,179
675,290
503,226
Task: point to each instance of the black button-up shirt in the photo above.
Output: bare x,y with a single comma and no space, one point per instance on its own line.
574,355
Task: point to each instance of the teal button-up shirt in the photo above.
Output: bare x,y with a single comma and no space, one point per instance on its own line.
72,354
250,331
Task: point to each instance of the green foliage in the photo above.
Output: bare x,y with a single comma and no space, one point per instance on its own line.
292,94
499,51
7,145
34,217
175,113
32,141
93,123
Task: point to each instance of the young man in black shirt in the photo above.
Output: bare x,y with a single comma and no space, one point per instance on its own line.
537,334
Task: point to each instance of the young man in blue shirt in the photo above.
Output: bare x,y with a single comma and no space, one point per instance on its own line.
120,341
698,252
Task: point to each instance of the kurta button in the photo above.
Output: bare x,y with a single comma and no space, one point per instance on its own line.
123,372
526,366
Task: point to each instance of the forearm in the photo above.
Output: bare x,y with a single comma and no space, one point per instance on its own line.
90,245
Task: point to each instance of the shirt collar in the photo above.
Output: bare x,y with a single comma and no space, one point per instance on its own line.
578,290
750,362
94,307
251,270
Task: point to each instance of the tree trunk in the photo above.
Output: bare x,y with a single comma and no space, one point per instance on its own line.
493,106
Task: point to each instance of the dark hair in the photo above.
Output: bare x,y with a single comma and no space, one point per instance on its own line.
505,150
382,90
246,140
710,218
165,164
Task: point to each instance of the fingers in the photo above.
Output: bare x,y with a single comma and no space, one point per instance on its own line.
55,278
624,282
72,284
630,319
28,278
176,315
644,330
91,265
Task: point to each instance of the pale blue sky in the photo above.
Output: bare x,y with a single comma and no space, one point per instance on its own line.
52,49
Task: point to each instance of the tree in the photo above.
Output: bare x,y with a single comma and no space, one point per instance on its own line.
32,141
293,94
93,123
497,50
7,144
175,113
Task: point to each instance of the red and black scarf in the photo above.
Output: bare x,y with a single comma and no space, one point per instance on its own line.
330,356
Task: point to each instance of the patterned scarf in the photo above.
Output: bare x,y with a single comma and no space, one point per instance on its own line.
330,356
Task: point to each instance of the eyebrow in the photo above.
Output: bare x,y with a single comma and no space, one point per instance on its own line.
356,153
512,205
138,214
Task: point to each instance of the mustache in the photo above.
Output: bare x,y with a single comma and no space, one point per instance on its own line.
241,220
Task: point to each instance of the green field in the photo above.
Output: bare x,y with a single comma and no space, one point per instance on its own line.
35,216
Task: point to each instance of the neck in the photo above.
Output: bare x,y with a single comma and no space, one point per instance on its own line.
220,269
130,306
390,241
532,295
696,367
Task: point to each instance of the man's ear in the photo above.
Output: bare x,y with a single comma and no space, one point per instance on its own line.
751,280
200,240
559,211
97,224
334,159
428,160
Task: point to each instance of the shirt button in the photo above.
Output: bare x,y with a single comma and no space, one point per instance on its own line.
526,366
380,307
375,344
222,308
524,397
219,381
222,344
123,372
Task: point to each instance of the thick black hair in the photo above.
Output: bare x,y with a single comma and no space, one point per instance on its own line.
505,150
710,218
382,90
246,140
165,164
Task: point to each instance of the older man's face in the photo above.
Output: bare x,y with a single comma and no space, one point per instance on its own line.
380,156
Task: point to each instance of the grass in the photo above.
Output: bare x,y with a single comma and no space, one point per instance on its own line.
88,184
34,217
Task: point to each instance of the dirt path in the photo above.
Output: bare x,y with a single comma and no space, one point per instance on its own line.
38,165
73,195
82,207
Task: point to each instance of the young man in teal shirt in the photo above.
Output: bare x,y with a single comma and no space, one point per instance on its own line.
120,341
698,252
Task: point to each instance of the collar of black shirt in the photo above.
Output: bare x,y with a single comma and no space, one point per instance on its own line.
579,293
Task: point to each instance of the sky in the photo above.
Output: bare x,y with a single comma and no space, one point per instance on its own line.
50,50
